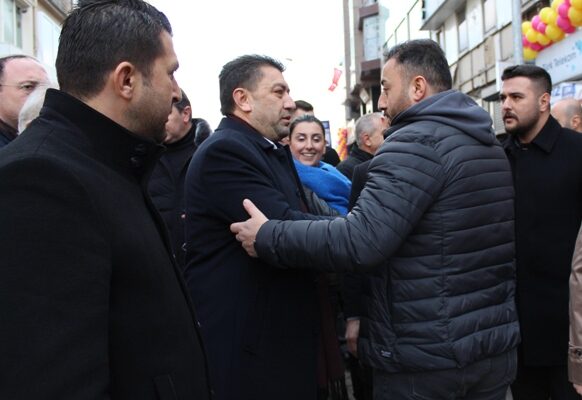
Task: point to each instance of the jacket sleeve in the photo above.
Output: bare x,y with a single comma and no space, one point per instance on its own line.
404,180
55,277
575,347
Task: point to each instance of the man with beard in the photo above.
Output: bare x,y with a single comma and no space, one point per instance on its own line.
260,325
547,172
93,306
434,226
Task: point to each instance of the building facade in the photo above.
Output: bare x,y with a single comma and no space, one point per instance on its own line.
32,27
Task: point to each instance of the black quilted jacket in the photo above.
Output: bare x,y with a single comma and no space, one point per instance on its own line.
434,226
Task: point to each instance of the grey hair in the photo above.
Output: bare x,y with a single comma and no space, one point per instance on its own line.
365,124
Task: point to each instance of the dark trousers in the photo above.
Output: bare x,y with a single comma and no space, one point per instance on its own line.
542,383
484,380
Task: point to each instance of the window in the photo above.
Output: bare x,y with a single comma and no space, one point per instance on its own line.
372,44
463,32
48,32
490,15
11,18
440,36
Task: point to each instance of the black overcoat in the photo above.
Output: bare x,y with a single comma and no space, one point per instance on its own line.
259,323
548,210
92,305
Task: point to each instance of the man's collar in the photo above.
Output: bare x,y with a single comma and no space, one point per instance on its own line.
545,139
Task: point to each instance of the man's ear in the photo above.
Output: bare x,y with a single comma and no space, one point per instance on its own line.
242,99
366,140
124,78
544,102
576,122
418,88
187,114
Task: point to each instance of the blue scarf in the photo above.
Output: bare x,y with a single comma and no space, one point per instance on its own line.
327,183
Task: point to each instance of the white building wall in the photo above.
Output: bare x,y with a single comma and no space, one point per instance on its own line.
475,22
451,39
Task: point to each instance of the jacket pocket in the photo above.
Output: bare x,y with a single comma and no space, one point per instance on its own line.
165,387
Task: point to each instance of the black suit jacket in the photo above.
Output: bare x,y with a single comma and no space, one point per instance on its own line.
92,305
260,323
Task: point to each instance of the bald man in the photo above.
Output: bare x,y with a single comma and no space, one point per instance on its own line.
568,112
19,76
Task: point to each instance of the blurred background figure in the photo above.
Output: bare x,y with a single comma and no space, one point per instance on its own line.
369,136
166,186
19,76
32,106
568,112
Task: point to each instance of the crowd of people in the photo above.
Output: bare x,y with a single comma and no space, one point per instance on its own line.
147,256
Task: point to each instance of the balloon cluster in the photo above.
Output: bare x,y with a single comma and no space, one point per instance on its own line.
550,25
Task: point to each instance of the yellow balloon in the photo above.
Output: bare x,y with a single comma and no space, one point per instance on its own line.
543,39
531,35
556,4
552,16
525,26
545,14
576,4
575,16
554,33
529,54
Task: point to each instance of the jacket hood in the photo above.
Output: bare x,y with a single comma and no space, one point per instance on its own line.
451,108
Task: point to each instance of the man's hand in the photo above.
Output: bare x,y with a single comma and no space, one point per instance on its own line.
246,231
352,333
578,388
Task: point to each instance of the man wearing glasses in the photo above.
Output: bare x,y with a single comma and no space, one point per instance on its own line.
19,76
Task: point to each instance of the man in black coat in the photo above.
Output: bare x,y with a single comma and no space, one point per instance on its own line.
93,306
547,171
166,184
260,325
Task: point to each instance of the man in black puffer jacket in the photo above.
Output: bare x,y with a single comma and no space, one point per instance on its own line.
166,185
434,225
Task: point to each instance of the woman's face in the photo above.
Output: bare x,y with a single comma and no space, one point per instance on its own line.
307,143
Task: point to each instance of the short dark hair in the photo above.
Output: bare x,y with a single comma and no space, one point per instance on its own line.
423,57
183,103
100,34
5,60
303,105
536,74
305,118
244,71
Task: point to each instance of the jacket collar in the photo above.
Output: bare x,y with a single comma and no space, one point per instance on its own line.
545,139
360,154
109,141
232,122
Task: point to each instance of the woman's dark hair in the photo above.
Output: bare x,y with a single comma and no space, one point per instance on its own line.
305,118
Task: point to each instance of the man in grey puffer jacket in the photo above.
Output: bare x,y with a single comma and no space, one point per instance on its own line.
434,226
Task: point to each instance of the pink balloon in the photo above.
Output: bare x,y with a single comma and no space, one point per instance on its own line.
563,10
536,46
535,21
541,28
524,41
564,24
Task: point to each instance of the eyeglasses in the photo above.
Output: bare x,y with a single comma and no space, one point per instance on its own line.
27,86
